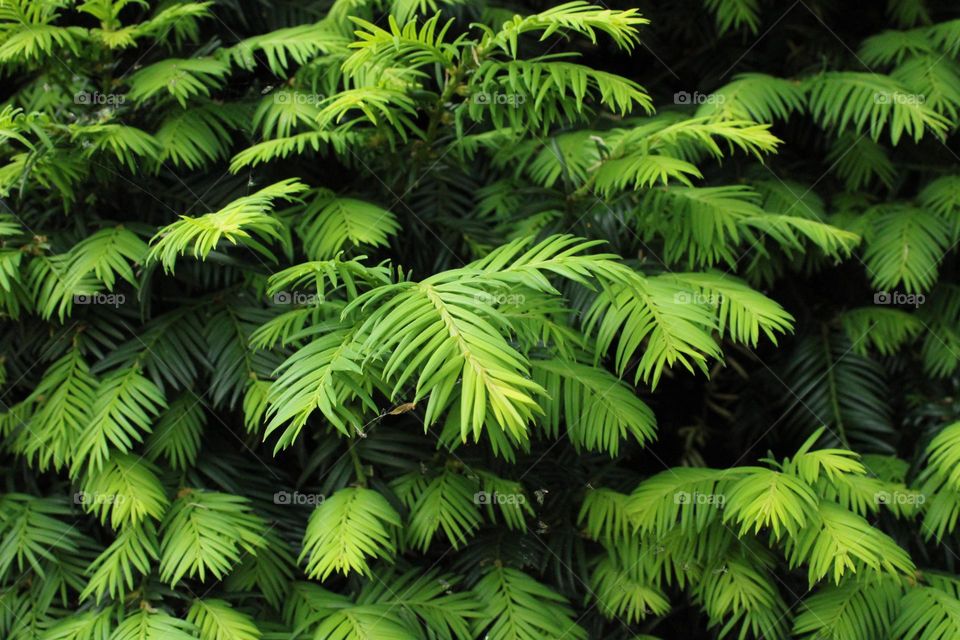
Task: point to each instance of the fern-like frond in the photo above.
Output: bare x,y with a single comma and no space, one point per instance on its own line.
892,47
684,498
943,460
348,529
285,47
270,572
929,612
131,554
126,404
742,593
856,609
328,278
942,197
124,492
700,225
176,22
447,502
90,266
742,312
837,541
284,112
64,398
280,148
654,313
941,341
377,106
322,376
445,327
244,220
106,254
200,135
755,96
944,36
169,349
620,589
205,533
410,46
425,599
126,144
764,498
935,78
331,223
734,14
32,531
87,625
542,91
832,385
181,78
36,40
597,409
904,248
664,148
176,437
605,516
505,497
869,103
860,161
642,171
520,608
153,625
577,16
692,137
882,328
215,619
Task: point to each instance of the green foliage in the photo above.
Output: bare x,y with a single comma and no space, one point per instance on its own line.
217,620
869,103
348,527
520,607
853,609
206,532
331,224
240,221
437,319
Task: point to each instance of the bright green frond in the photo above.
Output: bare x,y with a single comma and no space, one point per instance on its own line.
207,533
246,220
349,527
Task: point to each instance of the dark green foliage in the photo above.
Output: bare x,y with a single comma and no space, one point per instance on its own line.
407,319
